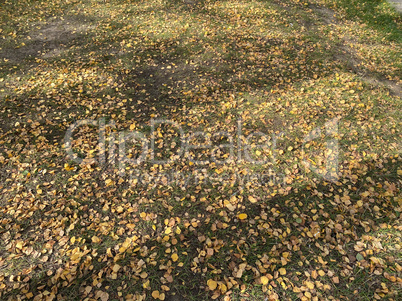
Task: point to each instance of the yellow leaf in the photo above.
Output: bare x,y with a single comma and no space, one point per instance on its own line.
264,280
126,243
68,167
242,216
223,288
19,245
392,278
321,273
146,284
310,285
175,257
282,271
109,182
252,199
212,284
96,239
230,206
155,294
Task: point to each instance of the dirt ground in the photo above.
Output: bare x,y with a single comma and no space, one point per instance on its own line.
397,4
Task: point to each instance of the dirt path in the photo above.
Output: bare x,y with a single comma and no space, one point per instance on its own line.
397,4
346,54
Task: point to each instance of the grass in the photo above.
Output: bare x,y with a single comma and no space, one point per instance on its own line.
262,80
377,14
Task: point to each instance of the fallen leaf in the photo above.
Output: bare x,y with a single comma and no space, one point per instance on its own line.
212,284
242,216
264,280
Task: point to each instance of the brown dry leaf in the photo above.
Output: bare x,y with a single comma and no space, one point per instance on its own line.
116,268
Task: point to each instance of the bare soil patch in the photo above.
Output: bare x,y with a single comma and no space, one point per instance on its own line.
50,40
346,55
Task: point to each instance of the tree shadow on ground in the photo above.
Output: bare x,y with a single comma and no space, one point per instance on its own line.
160,76
331,220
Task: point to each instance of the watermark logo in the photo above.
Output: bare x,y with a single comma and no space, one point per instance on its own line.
115,148
331,170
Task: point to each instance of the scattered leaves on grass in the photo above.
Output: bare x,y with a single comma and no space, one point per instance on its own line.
292,191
